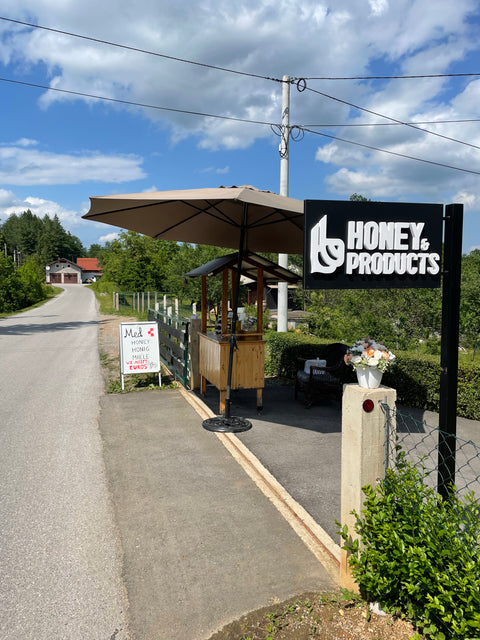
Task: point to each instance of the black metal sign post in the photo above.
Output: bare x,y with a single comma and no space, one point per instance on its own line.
365,245
452,268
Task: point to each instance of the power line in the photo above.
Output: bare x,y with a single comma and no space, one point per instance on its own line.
209,115
145,51
135,104
412,77
392,153
381,115
393,124
252,75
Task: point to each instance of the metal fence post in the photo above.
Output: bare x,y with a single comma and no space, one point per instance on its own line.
449,347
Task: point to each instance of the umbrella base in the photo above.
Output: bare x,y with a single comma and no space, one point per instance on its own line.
227,425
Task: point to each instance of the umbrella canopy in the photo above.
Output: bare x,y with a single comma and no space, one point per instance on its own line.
208,216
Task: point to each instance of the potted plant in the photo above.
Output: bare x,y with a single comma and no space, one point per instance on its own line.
369,359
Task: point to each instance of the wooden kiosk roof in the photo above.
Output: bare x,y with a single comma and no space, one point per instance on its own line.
251,262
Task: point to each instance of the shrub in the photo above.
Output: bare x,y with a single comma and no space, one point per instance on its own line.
283,349
415,376
419,554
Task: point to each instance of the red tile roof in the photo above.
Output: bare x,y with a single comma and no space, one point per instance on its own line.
89,264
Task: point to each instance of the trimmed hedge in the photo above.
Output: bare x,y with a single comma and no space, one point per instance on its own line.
283,349
416,377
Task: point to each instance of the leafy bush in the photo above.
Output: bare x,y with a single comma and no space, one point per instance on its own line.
419,554
415,376
283,349
20,287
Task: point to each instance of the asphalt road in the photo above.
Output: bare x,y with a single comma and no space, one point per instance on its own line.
60,559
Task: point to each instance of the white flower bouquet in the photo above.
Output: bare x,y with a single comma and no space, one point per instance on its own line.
368,353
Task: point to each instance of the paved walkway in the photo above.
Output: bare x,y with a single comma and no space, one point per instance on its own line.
202,542
216,525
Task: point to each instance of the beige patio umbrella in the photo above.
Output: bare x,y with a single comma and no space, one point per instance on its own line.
240,218
208,216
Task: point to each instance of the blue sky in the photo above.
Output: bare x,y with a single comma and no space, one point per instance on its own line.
57,149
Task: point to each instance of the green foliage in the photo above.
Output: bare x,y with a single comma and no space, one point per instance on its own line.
283,349
190,257
398,317
43,239
470,298
419,554
137,263
20,288
415,376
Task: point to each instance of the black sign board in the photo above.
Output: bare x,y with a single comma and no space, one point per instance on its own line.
363,245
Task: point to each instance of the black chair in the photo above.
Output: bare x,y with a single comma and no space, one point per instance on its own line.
323,381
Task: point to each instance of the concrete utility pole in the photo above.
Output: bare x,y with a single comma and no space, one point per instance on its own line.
282,304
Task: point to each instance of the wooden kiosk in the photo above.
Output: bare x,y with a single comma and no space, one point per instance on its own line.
214,346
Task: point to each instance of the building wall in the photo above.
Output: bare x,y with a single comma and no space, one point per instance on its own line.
63,272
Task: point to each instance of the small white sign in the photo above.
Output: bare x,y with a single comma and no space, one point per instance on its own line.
139,349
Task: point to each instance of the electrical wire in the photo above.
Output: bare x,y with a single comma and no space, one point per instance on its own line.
392,153
381,115
412,77
301,86
135,104
145,51
301,82
392,124
275,126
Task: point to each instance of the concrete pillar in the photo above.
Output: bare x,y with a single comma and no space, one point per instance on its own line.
363,455
194,352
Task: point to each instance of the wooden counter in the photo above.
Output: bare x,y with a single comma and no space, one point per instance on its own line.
248,365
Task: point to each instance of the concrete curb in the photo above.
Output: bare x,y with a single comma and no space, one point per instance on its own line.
322,546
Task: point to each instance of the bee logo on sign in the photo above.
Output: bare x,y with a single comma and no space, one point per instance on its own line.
372,245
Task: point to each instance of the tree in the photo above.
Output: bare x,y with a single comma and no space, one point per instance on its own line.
45,238
95,251
190,257
357,197
470,298
19,288
138,263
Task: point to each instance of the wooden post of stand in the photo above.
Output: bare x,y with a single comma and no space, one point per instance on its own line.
204,304
203,381
260,301
234,287
259,326
224,301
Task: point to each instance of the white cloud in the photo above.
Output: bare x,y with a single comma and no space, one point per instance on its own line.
12,204
378,6
109,237
302,38
26,166
297,37
470,200
218,170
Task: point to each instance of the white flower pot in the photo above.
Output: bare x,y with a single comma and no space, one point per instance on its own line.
369,378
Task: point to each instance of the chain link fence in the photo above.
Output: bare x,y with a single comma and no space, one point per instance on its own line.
420,443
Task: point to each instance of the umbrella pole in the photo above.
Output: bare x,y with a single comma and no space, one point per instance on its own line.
227,423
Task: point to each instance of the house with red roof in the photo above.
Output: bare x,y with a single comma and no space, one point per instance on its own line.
91,270
63,271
